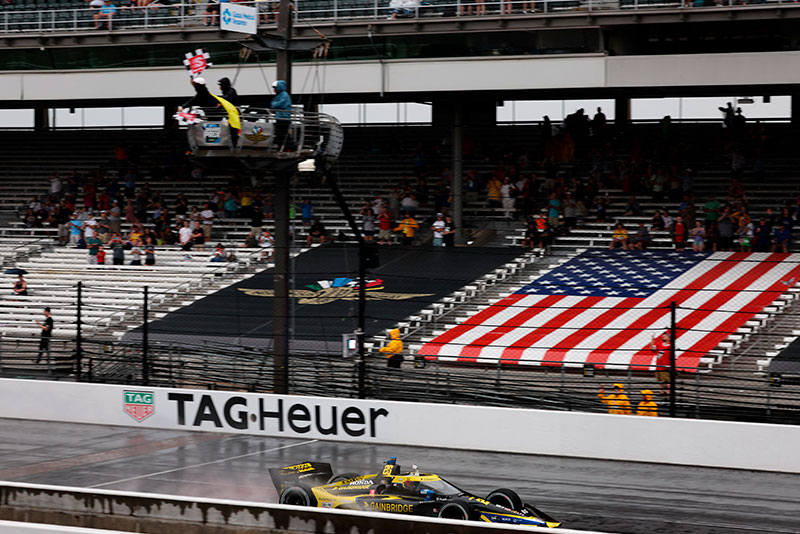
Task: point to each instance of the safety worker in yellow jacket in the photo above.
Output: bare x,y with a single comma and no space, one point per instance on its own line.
616,401
647,406
394,350
408,228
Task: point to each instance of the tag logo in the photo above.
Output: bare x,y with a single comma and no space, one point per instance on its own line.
139,404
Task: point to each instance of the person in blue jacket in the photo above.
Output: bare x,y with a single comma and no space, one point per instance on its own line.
282,102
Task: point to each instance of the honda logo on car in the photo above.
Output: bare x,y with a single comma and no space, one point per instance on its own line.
268,414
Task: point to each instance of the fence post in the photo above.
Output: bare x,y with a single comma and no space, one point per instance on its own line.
145,352
673,339
78,332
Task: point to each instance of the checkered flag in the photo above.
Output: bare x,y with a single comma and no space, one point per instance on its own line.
189,116
197,62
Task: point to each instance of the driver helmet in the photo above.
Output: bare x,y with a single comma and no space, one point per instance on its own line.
199,81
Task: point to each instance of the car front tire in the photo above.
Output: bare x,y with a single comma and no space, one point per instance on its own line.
506,498
297,496
460,510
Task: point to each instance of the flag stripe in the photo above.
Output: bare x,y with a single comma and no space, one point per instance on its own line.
432,347
515,350
717,299
558,353
472,351
600,355
693,354
603,307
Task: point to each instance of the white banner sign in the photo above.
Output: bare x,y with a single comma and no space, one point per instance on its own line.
236,18
616,437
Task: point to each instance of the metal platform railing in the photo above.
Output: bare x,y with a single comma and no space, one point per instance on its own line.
266,135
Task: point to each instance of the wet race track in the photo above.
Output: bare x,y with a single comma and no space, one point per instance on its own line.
585,494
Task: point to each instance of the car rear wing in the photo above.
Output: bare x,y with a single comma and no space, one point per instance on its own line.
306,474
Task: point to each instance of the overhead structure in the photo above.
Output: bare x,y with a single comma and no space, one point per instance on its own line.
310,135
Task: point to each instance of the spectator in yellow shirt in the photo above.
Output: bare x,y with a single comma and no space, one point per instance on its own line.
408,227
617,401
647,406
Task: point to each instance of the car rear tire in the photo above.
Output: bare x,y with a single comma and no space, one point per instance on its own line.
506,498
460,510
342,476
297,496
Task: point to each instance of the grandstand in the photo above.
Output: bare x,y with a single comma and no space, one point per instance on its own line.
386,160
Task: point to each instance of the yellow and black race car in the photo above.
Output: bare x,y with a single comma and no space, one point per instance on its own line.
414,493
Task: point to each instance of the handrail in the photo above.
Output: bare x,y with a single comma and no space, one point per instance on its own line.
189,14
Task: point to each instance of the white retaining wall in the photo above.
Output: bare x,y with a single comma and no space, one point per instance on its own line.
629,438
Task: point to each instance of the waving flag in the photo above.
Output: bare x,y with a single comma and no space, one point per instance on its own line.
604,306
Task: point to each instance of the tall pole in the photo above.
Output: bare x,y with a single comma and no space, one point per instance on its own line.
281,282
361,362
672,373
79,333
282,197
145,343
284,56
458,173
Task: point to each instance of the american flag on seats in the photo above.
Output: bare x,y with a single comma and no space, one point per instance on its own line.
604,306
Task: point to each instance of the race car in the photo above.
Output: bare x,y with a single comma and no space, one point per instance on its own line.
390,490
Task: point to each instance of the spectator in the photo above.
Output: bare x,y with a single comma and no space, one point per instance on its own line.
136,254
781,238
211,12
725,230
307,210
282,102
368,221
149,255
647,406
403,8
763,236
228,92
698,235
185,236
619,237
250,241
409,203
633,207
437,228
393,350
408,226
198,239
46,336
712,210
93,243
207,218
106,12
104,227
218,257
554,209
266,242
101,256
449,232
20,286
509,194
679,234
744,233
533,238
663,349
75,229
117,250
317,231
572,210
493,195
231,208
385,226
616,401
641,239
667,222
62,219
